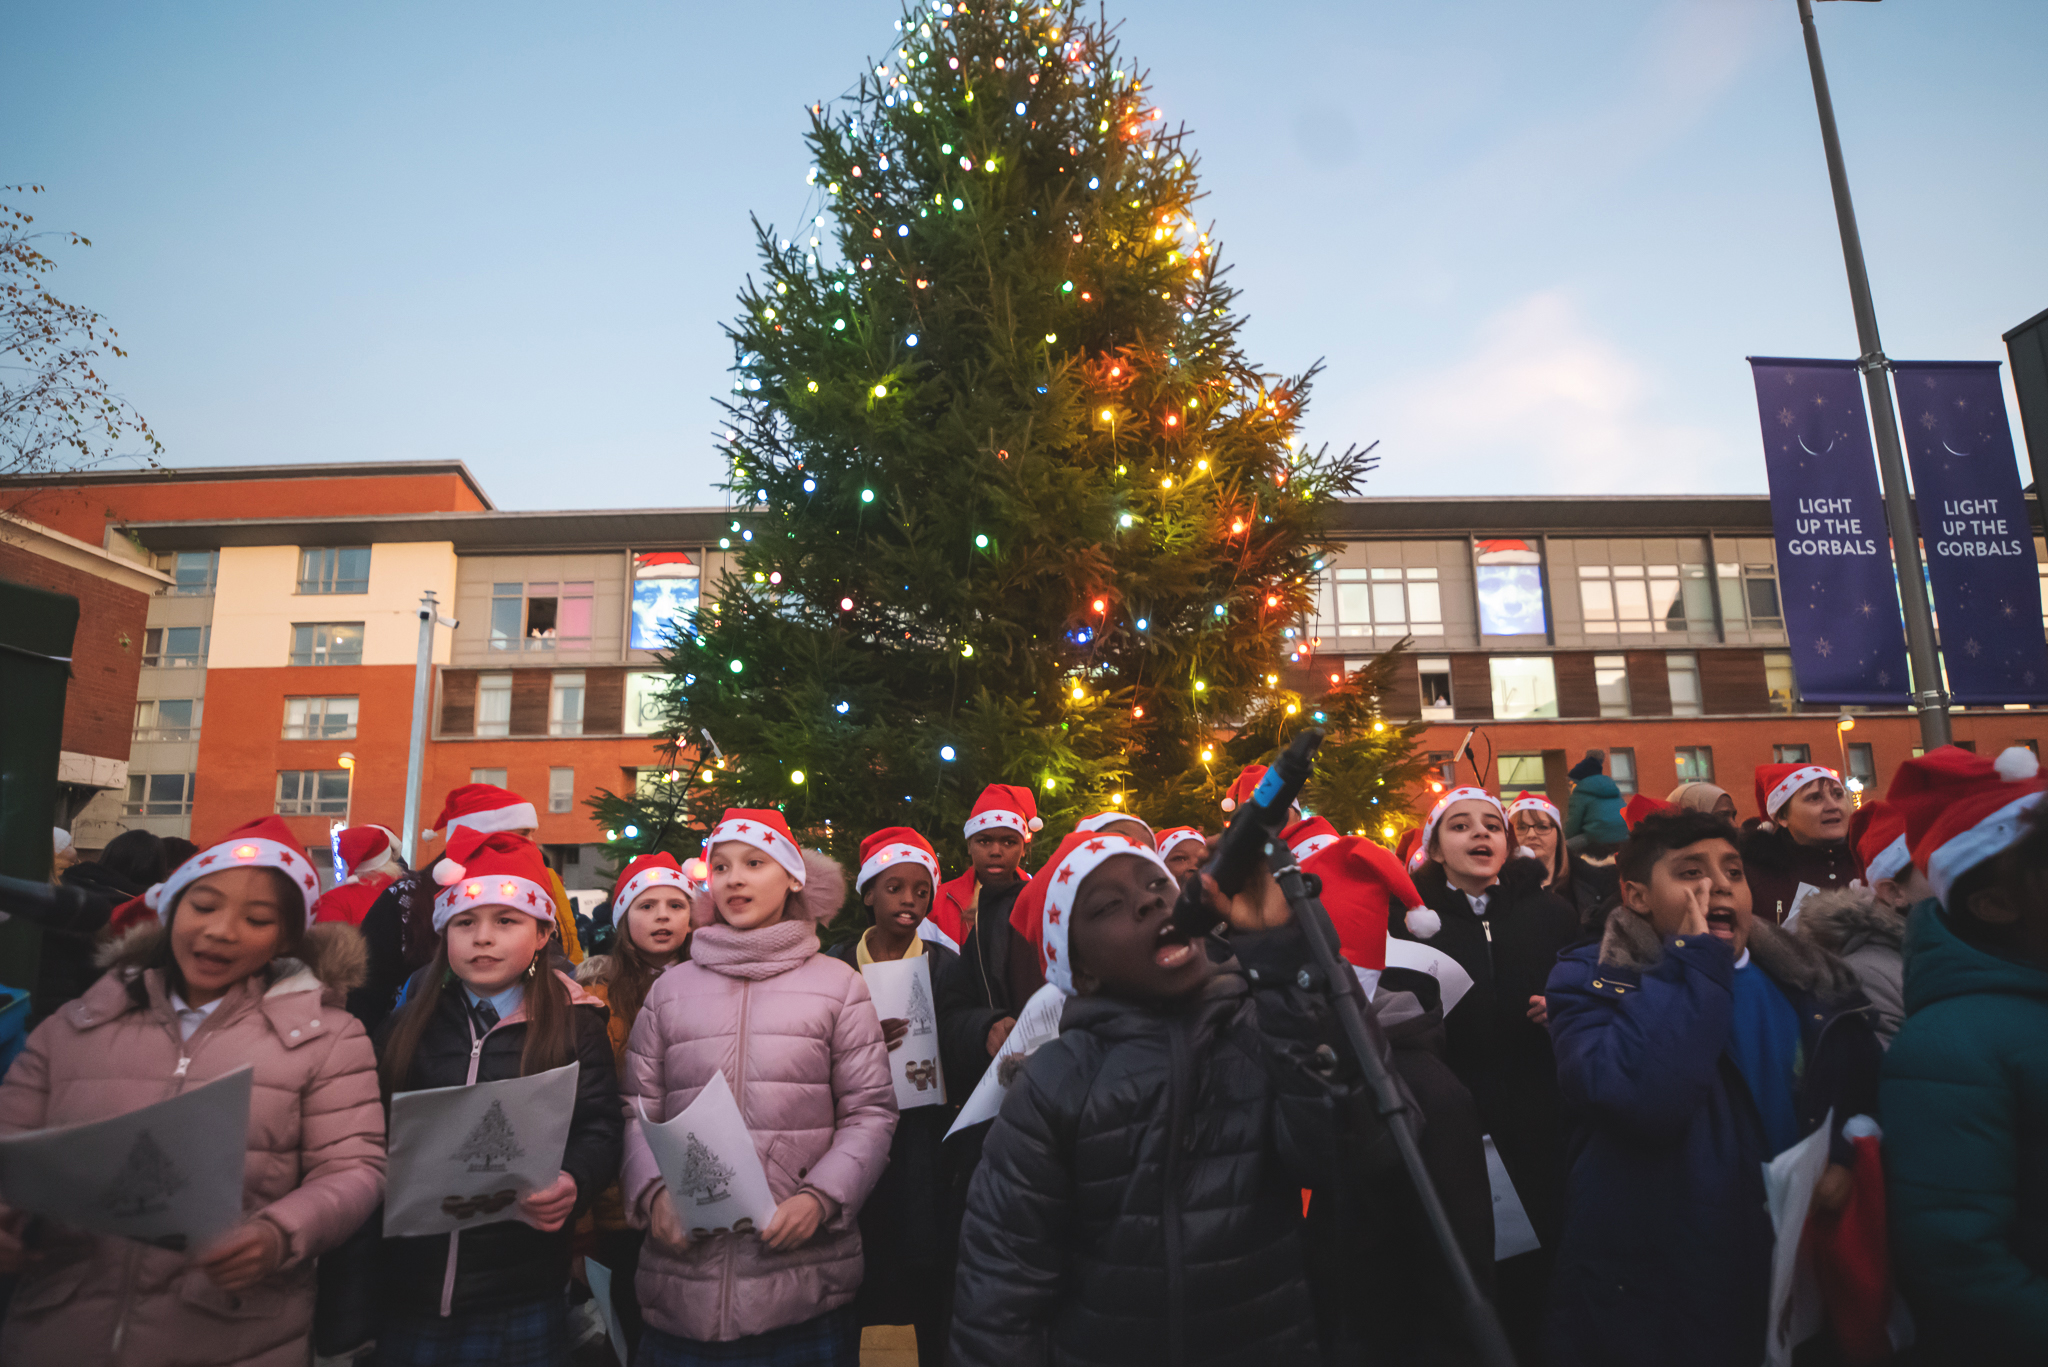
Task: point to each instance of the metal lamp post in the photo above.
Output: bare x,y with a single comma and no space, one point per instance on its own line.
416,753
1891,461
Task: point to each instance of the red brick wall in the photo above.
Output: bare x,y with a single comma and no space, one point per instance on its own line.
84,511
106,660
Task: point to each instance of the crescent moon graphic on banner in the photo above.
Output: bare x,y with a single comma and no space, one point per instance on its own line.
1952,451
1811,452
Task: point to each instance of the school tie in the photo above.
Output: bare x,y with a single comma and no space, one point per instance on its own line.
486,1016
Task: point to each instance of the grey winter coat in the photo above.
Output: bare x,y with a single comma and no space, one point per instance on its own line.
1849,924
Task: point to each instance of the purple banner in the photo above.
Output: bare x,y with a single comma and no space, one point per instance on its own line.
1974,527
1835,572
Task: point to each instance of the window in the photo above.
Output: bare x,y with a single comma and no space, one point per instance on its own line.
320,718
193,573
1610,681
1384,602
494,705
327,643
312,792
508,613
1443,768
175,647
334,569
565,706
1749,597
1779,681
1435,676
158,795
167,719
1621,767
543,616
1523,686
1509,579
666,587
1685,684
494,777
1791,754
1520,774
1695,763
561,790
1643,598
643,703
1862,766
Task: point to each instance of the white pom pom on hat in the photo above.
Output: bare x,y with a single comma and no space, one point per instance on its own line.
448,873
1423,923
1036,823
2017,764
1229,804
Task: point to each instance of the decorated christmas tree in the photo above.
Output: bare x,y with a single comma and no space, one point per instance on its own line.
492,1144
146,1182
1010,501
922,1020
706,1177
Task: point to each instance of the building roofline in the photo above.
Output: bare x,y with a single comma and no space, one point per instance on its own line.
200,474
497,531
1557,514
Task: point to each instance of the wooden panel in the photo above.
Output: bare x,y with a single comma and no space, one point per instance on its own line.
1733,681
1578,694
1471,688
458,702
1402,698
1649,684
530,690
1557,783
604,702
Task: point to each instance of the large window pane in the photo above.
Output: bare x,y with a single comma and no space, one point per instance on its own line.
1388,608
334,569
1779,680
1523,686
192,572
320,718
327,643
1510,585
561,790
1684,671
1695,763
1425,602
1354,604
565,706
1596,601
1610,680
1519,775
312,792
175,647
644,714
508,603
494,705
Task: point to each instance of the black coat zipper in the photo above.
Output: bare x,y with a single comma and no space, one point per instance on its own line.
1176,1271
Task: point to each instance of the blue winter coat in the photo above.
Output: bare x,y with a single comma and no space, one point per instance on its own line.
1666,1252
1966,1146
1595,811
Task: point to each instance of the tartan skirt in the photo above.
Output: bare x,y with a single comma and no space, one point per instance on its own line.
535,1335
830,1340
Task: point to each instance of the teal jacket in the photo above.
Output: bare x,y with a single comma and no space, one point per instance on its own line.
1595,811
1965,1106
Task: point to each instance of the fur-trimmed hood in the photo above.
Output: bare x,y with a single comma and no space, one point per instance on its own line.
331,955
823,895
1631,943
1842,919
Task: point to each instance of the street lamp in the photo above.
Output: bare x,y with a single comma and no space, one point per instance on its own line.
1884,421
348,801
1844,724
416,752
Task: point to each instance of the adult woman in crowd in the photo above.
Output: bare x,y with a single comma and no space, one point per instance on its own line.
1705,797
1539,831
1800,845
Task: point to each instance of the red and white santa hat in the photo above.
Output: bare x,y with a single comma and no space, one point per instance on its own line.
1536,802
1923,786
1102,819
363,848
491,869
891,846
485,808
1004,804
1981,820
266,843
1641,805
1410,850
1309,836
656,870
1243,786
766,831
1175,835
1444,804
1878,831
1362,882
1777,783
1051,894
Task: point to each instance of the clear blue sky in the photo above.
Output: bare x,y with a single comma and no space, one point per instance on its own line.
1533,241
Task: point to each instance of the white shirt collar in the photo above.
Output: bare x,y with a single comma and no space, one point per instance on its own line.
1743,962
505,1002
190,1018
1478,901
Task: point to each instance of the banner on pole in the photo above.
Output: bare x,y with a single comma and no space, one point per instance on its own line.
1973,524
1835,572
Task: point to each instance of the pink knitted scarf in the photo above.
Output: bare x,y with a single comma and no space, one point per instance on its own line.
753,954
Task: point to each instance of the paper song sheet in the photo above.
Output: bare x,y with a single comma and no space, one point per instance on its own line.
902,990
1789,1180
1452,980
707,1158
1038,1022
463,1156
1512,1231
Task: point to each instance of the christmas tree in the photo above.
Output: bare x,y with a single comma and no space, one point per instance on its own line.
706,1177
146,1181
1010,501
922,1020
492,1144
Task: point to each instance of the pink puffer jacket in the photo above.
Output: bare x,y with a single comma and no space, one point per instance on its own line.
796,1036
315,1165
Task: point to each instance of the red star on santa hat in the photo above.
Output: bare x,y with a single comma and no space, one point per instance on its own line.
1065,874
309,881
1052,914
740,829
1093,847
208,860
532,900
1052,951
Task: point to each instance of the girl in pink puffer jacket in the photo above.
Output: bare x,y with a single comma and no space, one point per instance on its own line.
233,977
796,1036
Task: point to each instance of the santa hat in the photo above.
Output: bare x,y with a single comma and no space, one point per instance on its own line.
1535,802
1423,923
1175,835
1878,831
491,869
894,845
1642,805
1004,804
363,848
1102,819
1850,1254
1409,849
1243,786
1309,836
483,807
1923,786
1362,882
648,871
1777,783
1052,893
1981,820
264,844
767,832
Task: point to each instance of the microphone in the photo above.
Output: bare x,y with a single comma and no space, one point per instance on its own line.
1256,823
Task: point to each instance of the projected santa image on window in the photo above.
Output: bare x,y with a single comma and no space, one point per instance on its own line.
1510,582
665,591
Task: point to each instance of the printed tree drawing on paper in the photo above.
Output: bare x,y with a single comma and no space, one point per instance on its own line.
705,1176
146,1182
919,1012
492,1144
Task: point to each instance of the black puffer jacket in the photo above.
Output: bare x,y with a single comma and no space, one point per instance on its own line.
1491,1044
512,1263
1777,865
1139,1200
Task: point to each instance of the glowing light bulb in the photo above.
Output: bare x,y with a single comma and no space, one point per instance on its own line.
1142,624
1099,604
708,776
981,540
946,753
796,776
881,391
1107,414
632,832
1080,693
1207,754
736,666
846,605
842,708
1201,687
1125,520
867,495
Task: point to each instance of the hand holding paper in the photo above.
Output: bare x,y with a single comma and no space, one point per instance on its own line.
902,991
708,1160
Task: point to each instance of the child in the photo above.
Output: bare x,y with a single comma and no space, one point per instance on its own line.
1694,1043
795,1033
487,1008
973,913
903,1225
232,978
651,918
1966,1082
1183,848
1139,1200
370,854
